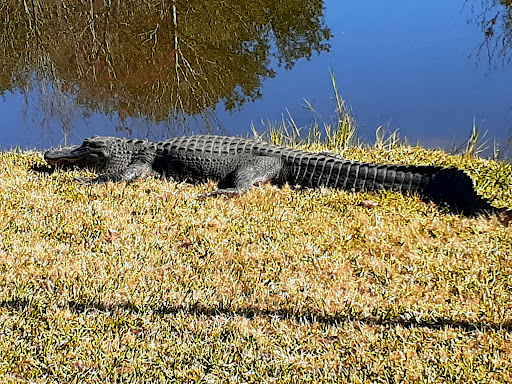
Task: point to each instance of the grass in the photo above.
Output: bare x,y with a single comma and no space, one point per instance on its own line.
338,135
143,282
476,143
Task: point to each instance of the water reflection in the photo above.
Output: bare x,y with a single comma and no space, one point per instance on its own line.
155,59
494,17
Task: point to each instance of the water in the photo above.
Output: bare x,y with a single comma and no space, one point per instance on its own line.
411,66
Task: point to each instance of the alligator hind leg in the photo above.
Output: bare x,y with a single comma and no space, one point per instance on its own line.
251,172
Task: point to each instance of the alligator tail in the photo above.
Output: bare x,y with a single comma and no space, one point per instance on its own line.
452,186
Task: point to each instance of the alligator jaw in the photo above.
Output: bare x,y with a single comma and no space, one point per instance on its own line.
75,155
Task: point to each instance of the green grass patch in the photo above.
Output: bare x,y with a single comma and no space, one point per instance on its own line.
144,282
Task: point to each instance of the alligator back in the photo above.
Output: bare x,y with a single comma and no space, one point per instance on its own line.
212,146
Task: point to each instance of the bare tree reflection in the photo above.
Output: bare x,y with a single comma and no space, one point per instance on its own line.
494,17
157,59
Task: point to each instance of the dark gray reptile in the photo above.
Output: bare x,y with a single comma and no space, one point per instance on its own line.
238,164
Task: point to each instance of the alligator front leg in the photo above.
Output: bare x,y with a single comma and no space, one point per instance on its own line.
251,172
131,173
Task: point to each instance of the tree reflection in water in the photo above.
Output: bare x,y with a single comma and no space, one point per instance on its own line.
494,17
158,60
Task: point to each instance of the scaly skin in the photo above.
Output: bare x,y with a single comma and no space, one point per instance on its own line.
238,164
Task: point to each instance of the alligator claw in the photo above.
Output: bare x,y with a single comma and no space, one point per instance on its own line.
229,192
202,196
82,181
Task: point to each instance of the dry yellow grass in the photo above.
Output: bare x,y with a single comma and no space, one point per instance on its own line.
143,282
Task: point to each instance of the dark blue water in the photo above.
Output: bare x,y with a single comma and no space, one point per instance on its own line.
411,66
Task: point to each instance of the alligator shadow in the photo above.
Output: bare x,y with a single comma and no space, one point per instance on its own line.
202,310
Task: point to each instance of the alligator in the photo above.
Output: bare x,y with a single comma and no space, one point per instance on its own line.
238,164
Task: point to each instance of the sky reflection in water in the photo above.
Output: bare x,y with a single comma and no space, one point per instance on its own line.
404,65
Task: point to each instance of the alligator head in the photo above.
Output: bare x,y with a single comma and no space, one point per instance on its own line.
98,153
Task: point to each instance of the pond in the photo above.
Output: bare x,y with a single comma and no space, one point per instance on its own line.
163,68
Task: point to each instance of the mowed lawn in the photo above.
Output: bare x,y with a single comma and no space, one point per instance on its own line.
144,282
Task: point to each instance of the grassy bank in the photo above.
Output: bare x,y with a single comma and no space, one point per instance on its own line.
143,282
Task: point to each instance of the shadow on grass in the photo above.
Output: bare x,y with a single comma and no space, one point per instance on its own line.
202,310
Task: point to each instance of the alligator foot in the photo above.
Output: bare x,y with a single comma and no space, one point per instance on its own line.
229,192
82,181
135,171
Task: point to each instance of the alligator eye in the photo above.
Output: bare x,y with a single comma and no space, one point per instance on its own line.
93,144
